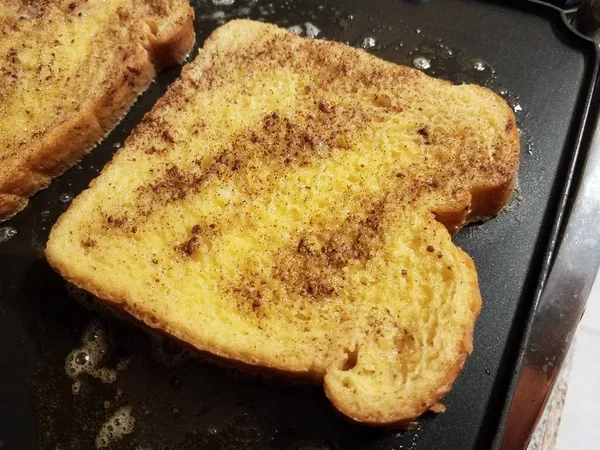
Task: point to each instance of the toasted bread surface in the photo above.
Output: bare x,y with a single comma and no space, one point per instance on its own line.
289,204
71,69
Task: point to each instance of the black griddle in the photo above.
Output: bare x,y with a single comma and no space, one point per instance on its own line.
525,51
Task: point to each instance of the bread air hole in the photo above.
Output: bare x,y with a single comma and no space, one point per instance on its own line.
351,358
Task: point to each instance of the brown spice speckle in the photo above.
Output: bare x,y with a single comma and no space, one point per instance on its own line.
88,243
190,246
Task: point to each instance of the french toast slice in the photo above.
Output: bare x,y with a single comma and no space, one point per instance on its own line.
289,203
70,69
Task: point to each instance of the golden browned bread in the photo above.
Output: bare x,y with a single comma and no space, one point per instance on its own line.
69,70
287,204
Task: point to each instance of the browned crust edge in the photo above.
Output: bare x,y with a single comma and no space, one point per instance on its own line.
407,422
63,146
487,200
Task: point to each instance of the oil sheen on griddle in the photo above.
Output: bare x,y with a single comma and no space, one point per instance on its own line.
121,387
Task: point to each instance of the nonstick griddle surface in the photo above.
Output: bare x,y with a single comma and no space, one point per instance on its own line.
525,53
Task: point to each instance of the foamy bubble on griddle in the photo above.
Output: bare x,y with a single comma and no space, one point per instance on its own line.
296,29
307,29
119,425
65,198
6,233
89,357
422,63
312,31
478,64
368,43
76,387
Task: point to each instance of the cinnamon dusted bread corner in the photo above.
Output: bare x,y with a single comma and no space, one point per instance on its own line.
69,70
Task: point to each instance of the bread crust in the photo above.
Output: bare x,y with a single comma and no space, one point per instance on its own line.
62,146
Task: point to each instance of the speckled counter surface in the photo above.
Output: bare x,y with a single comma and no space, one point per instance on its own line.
544,437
